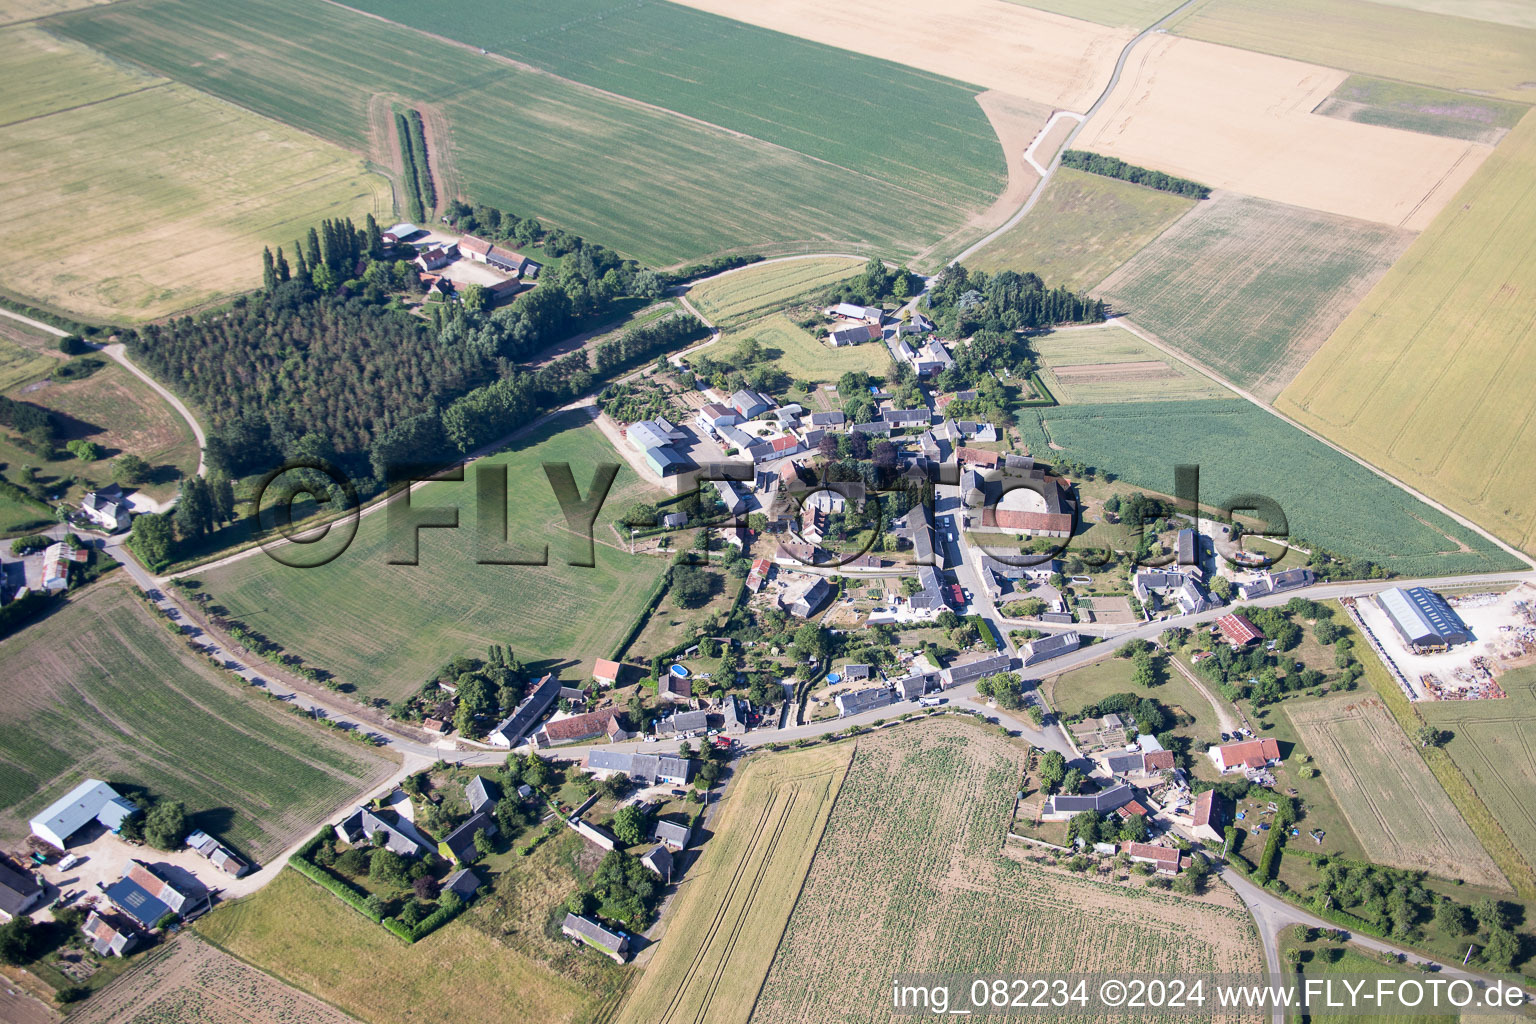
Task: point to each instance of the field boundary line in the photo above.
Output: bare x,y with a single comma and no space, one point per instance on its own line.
1458,788
87,104
1243,393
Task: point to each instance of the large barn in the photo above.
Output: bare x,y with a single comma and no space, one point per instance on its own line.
1423,618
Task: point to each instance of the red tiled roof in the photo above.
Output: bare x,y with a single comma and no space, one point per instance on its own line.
785,443
1012,519
1204,804
1162,854
579,727
1157,761
606,670
1238,630
1250,753
980,457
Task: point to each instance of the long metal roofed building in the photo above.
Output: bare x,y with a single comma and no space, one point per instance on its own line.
1423,618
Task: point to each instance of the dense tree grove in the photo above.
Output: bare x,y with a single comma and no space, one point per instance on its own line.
877,282
325,363
1113,167
963,302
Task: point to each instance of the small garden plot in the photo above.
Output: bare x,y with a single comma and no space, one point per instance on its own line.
1110,364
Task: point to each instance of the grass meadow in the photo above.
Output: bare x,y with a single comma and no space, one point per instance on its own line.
1327,498
118,411
1084,227
1376,39
100,688
179,190
846,109
305,936
1250,288
385,627
753,291
1110,364
910,876
1321,959
800,354
18,365
1433,376
724,927
657,186
1394,805
1418,108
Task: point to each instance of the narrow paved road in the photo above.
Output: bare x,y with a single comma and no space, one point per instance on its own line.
1047,172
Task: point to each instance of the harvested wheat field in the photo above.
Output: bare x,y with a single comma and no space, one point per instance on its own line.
1393,802
189,980
909,877
1048,58
1251,289
726,922
1388,40
1433,376
1243,121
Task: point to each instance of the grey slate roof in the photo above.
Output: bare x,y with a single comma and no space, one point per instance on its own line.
481,792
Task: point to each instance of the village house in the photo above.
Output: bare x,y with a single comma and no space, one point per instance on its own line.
805,598
1165,860
659,861
108,937
364,825
463,883
645,769
459,845
147,897
482,251
19,891
607,672
1061,806
1048,647
1208,820
1238,631
481,794
859,701
1249,755
674,689
585,929
673,835
437,256
969,671
683,723
107,508
606,723
509,732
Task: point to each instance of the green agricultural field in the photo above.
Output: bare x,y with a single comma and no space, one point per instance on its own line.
654,185
1433,376
1418,108
385,627
911,875
306,937
12,11
117,149
1083,228
1250,288
19,365
752,291
1376,39
903,126
1241,449
1117,13
1110,364
101,688
799,354
1493,742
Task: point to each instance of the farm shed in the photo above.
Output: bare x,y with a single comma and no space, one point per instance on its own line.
92,800
1423,618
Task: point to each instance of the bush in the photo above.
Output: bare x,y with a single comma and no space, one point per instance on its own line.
73,345
85,451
